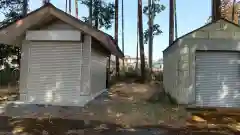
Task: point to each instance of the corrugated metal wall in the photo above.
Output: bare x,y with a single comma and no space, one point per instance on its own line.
176,72
98,72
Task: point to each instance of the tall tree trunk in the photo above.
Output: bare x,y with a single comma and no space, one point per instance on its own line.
175,19
45,2
150,34
116,35
76,8
233,10
96,22
90,12
141,41
137,43
171,21
25,7
96,13
70,6
66,6
216,10
123,31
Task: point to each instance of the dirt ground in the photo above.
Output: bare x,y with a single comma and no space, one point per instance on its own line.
126,109
133,104
130,104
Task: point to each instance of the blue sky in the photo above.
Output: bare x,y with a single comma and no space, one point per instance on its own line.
191,14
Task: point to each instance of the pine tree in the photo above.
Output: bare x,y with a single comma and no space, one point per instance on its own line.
141,44
102,13
152,10
12,10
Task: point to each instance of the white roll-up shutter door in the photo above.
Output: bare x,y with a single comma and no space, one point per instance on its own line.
54,73
218,79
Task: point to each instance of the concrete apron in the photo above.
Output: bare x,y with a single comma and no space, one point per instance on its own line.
21,110
33,110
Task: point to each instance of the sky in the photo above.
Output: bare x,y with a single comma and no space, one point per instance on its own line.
191,14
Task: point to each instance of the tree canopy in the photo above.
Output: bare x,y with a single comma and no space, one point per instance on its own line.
12,10
103,13
227,9
155,9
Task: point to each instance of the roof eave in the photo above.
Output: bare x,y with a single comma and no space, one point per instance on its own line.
12,34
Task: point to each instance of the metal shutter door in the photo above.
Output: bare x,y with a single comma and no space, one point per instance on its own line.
54,73
217,79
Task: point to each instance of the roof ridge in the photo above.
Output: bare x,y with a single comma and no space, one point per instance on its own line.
205,25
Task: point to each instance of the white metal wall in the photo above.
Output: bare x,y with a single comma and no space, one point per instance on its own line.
218,79
179,59
98,72
176,73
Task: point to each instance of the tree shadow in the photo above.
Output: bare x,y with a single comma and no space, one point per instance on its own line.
76,127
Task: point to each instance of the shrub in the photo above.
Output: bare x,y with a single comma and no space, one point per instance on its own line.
8,75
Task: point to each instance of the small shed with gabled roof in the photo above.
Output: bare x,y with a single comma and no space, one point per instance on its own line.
202,68
63,59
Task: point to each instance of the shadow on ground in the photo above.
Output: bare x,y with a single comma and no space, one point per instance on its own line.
71,127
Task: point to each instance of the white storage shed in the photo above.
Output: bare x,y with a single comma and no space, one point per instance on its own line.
202,68
63,60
